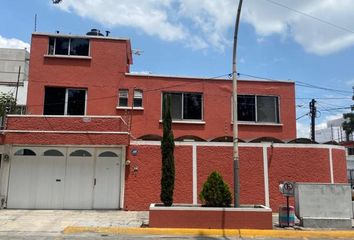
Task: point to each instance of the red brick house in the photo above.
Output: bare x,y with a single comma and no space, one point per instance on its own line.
90,136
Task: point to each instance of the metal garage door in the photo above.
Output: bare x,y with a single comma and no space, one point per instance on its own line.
65,178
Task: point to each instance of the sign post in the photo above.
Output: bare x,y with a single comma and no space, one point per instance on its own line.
288,190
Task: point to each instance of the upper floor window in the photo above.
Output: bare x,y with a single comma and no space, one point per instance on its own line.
64,101
123,98
350,151
186,106
252,108
68,46
138,98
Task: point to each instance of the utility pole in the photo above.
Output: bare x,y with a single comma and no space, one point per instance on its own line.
313,111
234,97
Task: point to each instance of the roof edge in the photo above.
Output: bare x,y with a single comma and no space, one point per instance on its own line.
79,36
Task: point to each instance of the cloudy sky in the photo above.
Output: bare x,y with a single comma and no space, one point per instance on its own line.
310,42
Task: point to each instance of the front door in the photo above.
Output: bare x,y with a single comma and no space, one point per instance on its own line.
107,179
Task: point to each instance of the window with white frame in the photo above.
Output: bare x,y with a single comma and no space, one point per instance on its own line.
64,101
186,106
123,98
69,46
251,108
138,98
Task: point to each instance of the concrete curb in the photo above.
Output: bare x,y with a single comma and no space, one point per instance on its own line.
250,233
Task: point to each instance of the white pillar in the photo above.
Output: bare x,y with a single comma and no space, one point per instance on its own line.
194,172
331,164
265,173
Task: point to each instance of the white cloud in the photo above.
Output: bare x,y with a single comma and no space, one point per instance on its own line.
204,23
315,36
302,130
13,43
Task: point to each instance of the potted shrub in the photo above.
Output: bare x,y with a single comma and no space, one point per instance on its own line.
215,192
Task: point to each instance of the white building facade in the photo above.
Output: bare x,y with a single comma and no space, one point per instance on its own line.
14,65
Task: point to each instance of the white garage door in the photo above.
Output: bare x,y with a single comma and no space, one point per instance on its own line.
65,178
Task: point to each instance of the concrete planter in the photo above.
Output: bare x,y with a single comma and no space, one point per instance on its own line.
191,216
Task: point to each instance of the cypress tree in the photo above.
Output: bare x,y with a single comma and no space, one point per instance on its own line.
167,148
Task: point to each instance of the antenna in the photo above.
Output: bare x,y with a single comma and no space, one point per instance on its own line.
137,51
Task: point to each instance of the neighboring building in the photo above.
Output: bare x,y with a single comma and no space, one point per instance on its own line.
14,66
335,132
91,136
332,132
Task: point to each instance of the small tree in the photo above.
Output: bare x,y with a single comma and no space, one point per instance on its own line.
7,104
215,192
167,148
348,124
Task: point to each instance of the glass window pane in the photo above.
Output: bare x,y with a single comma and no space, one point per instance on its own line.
76,102
138,98
80,153
246,108
138,94
51,46
192,106
53,153
54,101
25,152
123,93
138,102
79,46
108,154
123,98
62,46
267,109
176,105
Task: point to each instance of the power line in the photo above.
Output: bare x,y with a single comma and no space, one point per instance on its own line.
312,17
298,83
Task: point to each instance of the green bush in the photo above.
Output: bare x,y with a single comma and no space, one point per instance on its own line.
215,192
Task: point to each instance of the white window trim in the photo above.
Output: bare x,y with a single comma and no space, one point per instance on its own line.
130,108
123,107
138,97
189,121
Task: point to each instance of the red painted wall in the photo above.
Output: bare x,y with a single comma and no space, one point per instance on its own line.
339,166
105,73
216,109
143,186
101,74
300,164
51,130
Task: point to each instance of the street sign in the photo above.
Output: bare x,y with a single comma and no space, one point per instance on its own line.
287,188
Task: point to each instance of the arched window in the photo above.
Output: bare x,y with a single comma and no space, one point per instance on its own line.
25,152
53,153
108,154
80,153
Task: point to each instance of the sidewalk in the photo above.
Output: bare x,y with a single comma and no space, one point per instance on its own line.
65,222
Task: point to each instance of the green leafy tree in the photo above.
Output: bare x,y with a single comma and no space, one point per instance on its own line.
215,192
8,104
167,149
348,124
